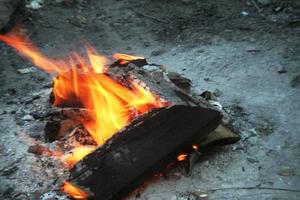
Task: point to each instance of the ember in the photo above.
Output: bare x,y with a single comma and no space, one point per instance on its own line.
182,157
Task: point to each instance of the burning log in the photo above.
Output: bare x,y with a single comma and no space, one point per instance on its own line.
133,131
158,136
70,114
143,148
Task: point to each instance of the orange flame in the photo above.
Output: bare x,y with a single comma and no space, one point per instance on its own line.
73,191
77,154
124,58
84,82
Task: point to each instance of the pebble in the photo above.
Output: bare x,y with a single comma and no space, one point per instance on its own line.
158,52
295,82
35,4
281,70
27,70
264,2
186,1
244,13
28,118
286,172
217,92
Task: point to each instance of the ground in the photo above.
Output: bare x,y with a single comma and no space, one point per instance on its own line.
250,58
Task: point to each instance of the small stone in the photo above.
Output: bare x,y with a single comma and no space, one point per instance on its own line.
252,160
26,70
248,3
35,4
264,2
217,92
28,118
296,81
244,13
158,52
253,49
281,70
20,122
286,172
203,195
186,1
10,170
278,9
11,91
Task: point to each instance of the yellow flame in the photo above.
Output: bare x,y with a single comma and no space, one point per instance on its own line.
73,191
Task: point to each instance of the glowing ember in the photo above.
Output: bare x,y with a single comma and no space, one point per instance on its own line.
182,157
84,82
195,147
74,191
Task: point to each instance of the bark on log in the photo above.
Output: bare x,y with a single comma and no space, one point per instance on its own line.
143,148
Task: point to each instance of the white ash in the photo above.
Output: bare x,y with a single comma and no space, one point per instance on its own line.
34,4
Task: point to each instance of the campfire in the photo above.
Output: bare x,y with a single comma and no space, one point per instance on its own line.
116,124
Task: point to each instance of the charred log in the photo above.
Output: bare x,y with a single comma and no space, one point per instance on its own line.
143,148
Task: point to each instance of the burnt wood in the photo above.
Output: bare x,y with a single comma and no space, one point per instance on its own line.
142,149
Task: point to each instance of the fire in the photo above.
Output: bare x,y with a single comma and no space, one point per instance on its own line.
83,81
74,191
77,154
124,58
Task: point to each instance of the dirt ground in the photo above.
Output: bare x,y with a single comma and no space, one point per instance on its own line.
250,58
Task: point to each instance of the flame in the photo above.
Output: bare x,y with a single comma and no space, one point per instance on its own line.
73,191
124,58
182,157
83,82
77,154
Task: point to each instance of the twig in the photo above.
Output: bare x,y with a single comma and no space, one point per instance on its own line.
151,17
256,6
255,188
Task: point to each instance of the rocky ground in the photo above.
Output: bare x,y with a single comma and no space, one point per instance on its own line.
247,53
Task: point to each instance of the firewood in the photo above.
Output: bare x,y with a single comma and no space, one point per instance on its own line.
149,143
141,149
220,136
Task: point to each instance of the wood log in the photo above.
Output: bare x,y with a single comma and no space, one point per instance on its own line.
221,136
141,149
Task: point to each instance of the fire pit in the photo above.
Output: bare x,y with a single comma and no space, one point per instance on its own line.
118,124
